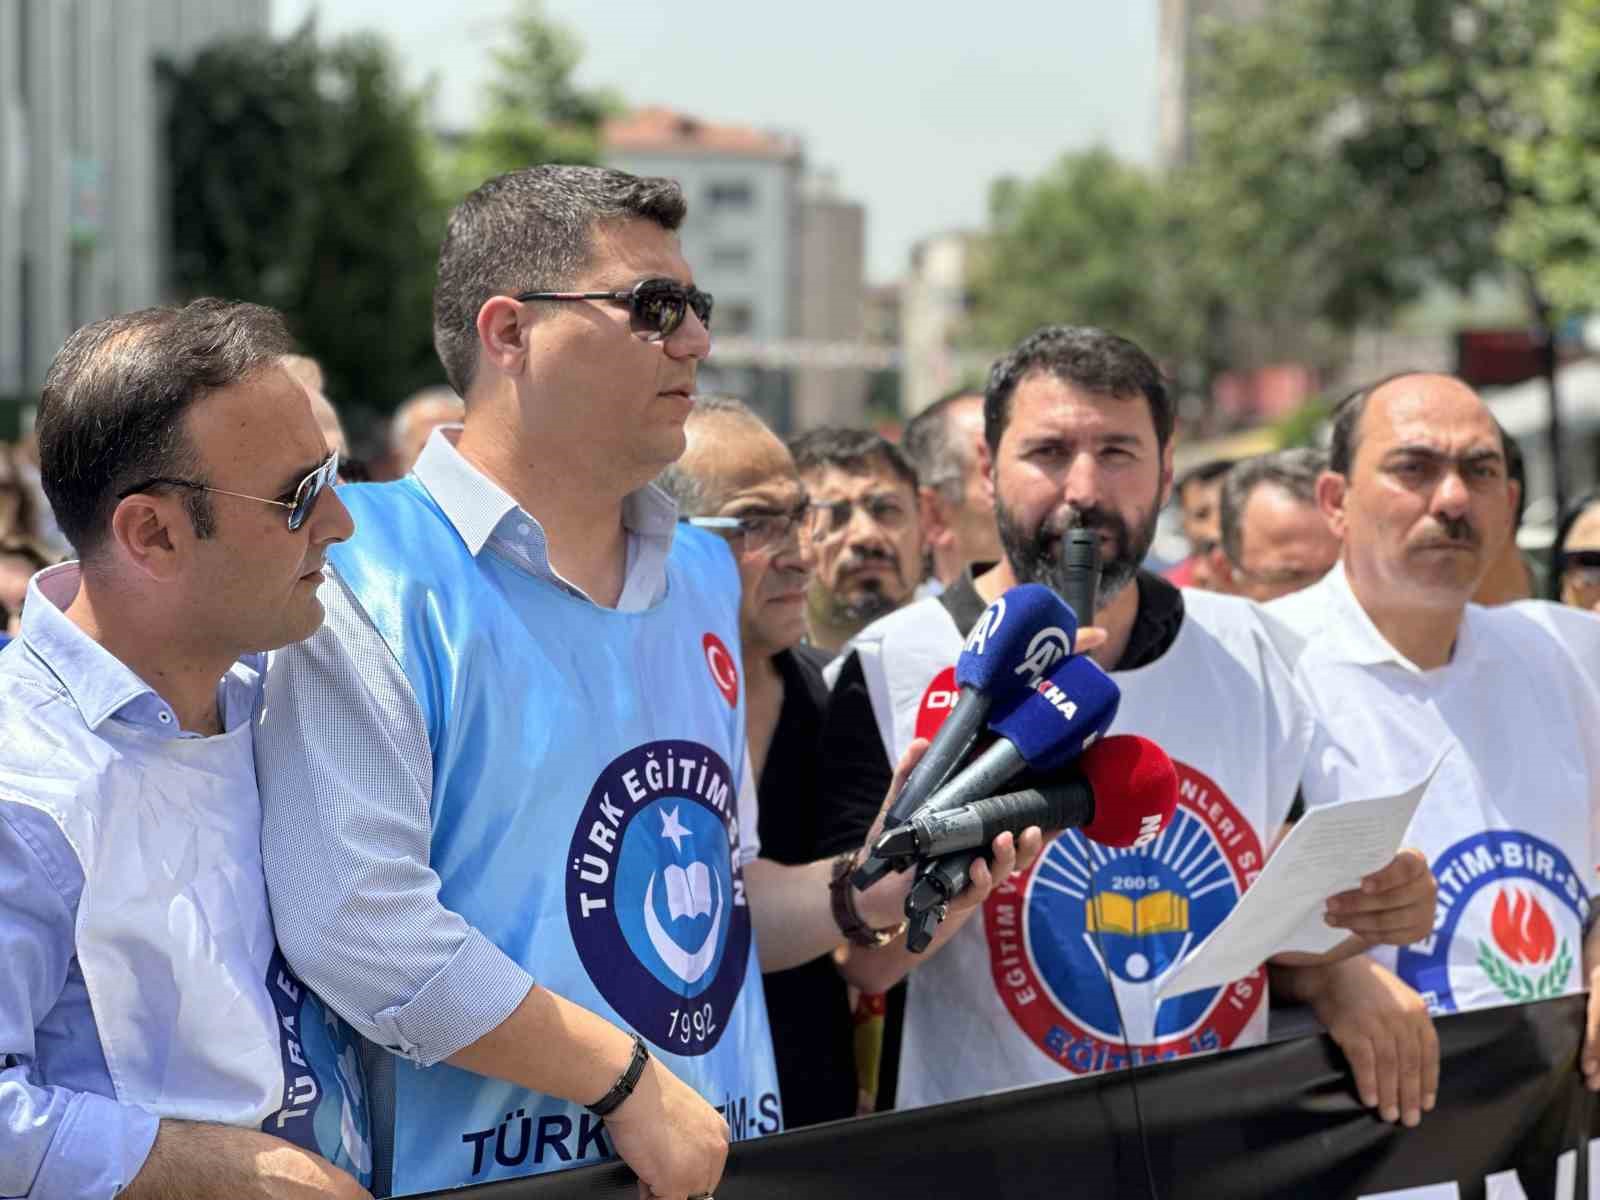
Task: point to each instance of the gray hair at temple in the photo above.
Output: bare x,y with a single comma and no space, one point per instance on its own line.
688,490
1295,471
940,460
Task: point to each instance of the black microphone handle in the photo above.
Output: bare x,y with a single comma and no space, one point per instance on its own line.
1080,573
1065,805
943,755
1000,763
950,745
939,881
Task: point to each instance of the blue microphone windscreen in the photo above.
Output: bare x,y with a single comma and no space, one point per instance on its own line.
1018,640
1060,714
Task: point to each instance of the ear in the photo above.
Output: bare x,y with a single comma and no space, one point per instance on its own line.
1166,475
986,469
1332,488
144,529
500,335
1221,569
1514,497
936,530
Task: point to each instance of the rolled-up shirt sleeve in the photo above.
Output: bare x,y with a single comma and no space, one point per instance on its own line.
346,777
55,1143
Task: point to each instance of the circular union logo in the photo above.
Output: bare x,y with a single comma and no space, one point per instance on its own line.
1507,925
1085,913
723,673
654,901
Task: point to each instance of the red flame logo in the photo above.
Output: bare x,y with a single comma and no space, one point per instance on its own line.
1523,930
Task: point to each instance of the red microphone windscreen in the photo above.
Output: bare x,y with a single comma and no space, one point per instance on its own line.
1135,790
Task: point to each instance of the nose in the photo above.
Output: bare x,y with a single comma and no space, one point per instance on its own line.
1080,487
330,519
1451,497
691,339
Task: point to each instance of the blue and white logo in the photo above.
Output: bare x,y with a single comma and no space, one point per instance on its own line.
654,900
1508,924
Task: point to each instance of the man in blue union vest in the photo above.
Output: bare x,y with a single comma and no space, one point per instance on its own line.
509,829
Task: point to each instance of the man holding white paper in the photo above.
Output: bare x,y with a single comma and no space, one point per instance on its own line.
1399,667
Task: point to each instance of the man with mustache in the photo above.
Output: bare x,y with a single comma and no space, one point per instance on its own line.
1400,667
1079,424
865,535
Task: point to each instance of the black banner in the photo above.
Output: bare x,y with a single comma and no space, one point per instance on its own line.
1272,1121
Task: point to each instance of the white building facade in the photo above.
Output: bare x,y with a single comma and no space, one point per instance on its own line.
82,217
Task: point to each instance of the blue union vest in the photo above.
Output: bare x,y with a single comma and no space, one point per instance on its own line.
586,767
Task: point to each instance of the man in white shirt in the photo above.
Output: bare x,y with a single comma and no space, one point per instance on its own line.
1402,669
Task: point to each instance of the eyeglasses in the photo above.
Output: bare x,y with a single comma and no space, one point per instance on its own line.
656,307
832,516
1584,565
306,491
759,529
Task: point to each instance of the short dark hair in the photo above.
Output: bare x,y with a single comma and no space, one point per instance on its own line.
1346,420
1295,471
1206,472
851,450
938,458
530,230
1516,471
1093,359
114,401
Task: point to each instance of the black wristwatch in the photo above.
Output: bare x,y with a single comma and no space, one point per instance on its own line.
626,1082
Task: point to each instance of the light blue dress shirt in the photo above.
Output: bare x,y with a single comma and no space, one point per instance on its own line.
63,1135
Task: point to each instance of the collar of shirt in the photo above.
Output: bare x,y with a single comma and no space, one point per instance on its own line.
485,515
1155,624
99,684
1349,635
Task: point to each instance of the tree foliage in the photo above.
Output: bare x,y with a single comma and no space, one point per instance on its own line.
534,111
298,178
1553,230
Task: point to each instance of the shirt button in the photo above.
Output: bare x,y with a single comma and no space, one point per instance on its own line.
166,717
524,530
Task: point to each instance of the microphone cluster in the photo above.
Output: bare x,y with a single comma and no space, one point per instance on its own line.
1048,711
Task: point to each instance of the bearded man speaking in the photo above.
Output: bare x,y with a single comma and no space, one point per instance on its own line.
1078,423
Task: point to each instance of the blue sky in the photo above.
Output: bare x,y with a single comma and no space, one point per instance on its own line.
915,108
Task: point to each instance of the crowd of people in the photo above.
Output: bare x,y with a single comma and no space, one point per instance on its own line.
502,817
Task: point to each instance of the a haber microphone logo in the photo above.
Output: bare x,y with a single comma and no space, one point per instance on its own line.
1048,647
723,673
988,622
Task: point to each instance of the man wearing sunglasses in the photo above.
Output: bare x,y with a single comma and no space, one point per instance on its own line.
153,1043
508,828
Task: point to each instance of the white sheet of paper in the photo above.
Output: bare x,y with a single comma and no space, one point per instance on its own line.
1328,851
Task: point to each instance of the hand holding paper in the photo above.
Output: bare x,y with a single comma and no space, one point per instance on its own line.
1327,853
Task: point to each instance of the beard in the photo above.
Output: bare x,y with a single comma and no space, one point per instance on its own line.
1035,555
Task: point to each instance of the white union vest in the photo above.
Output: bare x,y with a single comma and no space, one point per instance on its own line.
1020,995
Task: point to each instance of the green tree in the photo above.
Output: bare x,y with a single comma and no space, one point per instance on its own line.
1353,151
534,112
1553,231
298,178
1090,242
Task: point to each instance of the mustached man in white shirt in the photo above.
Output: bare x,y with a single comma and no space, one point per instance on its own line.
153,1043
1400,668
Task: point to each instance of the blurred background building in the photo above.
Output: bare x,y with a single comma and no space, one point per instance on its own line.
781,251
81,209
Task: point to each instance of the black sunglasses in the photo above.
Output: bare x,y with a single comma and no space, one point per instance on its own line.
656,307
1579,558
305,493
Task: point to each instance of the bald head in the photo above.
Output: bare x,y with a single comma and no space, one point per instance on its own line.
729,449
